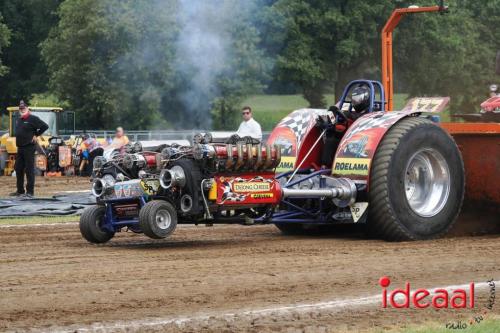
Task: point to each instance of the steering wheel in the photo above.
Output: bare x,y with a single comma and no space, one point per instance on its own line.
339,114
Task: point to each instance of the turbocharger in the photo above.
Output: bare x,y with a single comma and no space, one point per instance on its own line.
172,177
102,186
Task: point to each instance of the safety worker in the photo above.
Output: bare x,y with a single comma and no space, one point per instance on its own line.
119,140
28,128
249,126
90,149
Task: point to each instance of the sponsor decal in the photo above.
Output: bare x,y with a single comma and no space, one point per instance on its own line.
352,166
287,163
126,190
427,104
118,191
356,148
251,187
342,216
150,186
357,210
262,195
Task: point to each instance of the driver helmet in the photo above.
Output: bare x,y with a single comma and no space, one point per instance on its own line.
360,98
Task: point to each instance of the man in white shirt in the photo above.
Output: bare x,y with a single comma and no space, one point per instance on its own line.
249,127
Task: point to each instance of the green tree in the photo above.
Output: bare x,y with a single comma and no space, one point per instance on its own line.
4,42
245,71
324,44
451,55
110,60
29,22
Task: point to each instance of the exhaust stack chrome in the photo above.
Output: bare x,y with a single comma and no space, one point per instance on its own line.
341,190
172,177
102,186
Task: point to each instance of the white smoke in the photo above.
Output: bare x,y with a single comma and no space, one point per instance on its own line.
203,49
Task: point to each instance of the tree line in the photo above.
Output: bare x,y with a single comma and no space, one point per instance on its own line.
190,63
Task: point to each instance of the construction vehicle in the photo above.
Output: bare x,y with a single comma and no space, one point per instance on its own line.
53,155
399,173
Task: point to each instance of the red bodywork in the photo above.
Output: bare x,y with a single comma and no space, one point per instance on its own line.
355,151
490,112
150,159
479,144
296,135
491,105
360,142
248,189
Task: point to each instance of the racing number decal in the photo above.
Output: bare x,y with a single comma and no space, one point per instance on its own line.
150,187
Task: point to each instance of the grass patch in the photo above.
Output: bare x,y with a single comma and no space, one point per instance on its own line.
489,325
38,220
270,109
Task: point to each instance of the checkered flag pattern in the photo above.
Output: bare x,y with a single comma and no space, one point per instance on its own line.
300,121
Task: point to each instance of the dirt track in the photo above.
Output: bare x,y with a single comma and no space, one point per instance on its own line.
51,278
46,186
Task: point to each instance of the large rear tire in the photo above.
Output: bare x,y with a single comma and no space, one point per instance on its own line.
91,225
416,182
158,219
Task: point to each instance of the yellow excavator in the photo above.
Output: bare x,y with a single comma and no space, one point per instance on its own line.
53,153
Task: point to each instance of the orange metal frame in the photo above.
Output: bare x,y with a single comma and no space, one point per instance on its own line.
478,142
392,23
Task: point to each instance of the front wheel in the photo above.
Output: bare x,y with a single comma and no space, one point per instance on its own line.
158,219
91,223
416,182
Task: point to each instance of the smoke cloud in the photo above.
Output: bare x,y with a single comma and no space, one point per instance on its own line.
202,50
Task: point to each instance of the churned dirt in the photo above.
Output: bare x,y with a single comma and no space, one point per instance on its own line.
228,279
46,186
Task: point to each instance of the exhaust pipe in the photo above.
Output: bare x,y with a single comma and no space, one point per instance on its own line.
172,177
186,203
129,160
342,190
102,186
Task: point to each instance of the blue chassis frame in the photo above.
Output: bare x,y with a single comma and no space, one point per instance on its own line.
114,224
294,213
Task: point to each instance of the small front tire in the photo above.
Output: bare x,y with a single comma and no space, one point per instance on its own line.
158,219
91,223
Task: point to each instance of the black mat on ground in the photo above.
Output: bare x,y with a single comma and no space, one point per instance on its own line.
59,204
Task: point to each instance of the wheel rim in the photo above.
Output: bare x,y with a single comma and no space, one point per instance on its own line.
427,182
163,219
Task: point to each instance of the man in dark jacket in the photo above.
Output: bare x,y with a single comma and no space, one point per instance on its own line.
28,128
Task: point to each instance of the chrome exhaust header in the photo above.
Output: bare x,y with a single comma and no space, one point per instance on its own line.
174,176
102,186
342,190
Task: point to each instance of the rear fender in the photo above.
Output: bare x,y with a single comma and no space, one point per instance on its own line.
359,144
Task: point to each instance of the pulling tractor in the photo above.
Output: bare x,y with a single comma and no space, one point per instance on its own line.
398,170
399,173
53,155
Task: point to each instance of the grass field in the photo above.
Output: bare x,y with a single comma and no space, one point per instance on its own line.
489,325
270,109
